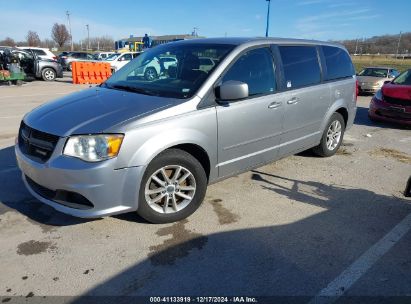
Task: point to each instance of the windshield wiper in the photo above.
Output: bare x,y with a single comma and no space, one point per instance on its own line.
132,89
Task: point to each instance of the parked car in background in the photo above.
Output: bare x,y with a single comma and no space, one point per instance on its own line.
67,59
206,64
371,79
102,55
154,146
156,67
43,53
393,102
35,67
118,60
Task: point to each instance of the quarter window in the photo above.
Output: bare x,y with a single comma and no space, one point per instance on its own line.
301,67
127,57
39,52
255,68
338,63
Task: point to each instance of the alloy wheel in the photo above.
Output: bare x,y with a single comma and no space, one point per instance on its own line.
170,189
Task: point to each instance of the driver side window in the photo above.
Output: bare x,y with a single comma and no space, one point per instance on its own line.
255,68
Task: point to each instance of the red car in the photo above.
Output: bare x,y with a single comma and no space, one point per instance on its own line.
393,102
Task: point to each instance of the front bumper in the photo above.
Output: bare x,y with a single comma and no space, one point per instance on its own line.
368,88
110,190
383,111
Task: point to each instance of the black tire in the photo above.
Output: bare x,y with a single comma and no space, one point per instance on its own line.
48,74
322,149
168,158
150,73
17,82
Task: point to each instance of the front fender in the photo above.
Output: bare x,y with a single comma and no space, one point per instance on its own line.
142,144
154,146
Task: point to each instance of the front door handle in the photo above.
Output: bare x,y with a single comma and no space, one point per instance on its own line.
293,100
274,105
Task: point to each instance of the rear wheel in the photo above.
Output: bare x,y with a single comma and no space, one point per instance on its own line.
172,188
48,74
150,73
332,136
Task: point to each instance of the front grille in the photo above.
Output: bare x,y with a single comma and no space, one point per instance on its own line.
36,144
397,101
63,197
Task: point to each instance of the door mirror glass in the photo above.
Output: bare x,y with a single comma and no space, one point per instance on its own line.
232,90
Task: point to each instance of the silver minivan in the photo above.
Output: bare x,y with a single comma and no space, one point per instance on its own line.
153,146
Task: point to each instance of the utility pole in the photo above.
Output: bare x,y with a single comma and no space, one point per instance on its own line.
398,45
195,33
268,18
356,46
88,36
69,24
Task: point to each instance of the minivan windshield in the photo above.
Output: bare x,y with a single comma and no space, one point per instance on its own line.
404,78
169,70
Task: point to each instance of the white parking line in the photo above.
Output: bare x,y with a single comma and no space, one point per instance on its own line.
13,116
34,95
348,277
407,139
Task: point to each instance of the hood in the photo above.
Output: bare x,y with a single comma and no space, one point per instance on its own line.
397,91
94,110
371,79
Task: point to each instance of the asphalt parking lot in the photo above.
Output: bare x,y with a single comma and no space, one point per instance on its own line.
302,226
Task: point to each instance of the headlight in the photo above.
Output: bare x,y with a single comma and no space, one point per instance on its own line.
380,83
378,95
94,148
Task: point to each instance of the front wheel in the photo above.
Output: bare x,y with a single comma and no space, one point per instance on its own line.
172,188
332,136
150,74
48,74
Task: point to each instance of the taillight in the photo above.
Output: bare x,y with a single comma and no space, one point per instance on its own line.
357,89
55,58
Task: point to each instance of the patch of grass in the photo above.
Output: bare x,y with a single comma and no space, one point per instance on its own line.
397,155
343,151
383,60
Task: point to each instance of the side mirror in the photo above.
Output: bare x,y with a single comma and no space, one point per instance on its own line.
232,90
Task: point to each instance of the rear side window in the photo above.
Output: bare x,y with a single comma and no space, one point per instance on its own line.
255,68
338,63
39,52
300,64
127,57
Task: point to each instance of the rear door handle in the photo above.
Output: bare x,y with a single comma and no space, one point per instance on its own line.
293,100
274,104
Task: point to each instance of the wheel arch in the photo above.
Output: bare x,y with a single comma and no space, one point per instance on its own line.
339,106
194,142
47,67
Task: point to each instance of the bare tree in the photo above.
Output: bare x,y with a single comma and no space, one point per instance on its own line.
60,34
33,38
8,42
